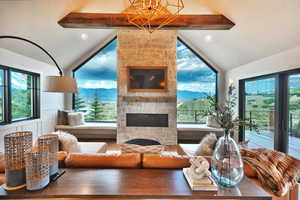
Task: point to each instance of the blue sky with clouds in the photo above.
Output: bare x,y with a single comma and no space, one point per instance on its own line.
193,74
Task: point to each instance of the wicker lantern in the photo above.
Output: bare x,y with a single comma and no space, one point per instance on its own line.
37,168
50,141
15,146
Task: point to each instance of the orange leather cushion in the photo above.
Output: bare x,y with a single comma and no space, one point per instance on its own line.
2,163
102,160
165,161
61,155
249,171
2,178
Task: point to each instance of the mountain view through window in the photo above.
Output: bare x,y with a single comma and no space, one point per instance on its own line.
97,81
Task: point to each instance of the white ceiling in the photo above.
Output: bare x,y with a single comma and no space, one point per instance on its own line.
263,28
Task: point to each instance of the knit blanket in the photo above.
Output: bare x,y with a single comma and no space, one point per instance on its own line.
276,171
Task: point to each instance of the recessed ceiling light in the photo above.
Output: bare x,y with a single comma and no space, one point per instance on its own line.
84,36
208,38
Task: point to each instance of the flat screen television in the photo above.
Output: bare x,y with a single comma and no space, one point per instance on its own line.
147,79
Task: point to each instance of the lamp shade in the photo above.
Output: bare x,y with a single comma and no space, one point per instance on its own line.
63,84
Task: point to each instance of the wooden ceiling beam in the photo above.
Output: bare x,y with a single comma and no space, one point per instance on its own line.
118,21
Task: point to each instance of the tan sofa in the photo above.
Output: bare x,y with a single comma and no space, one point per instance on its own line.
173,158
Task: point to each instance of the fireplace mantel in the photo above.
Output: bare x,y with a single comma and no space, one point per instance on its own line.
137,49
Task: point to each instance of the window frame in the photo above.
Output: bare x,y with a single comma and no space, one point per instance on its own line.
208,65
281,134
7,95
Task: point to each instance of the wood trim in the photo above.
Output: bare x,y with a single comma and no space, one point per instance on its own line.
129,89
120,20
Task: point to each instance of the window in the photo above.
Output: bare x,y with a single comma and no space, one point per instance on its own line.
21,88
196,80
1,95
272,102
260,109
97,82
19,95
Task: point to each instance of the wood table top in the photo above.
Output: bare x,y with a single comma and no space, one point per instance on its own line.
132,184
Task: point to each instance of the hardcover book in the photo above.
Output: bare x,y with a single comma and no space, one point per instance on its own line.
205,184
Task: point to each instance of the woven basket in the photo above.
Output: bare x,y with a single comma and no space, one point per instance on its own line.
133,148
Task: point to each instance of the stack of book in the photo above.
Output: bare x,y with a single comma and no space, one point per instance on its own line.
204,184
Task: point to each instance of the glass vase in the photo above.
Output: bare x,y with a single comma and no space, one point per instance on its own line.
227,165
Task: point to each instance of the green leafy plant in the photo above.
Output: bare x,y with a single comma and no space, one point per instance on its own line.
224,113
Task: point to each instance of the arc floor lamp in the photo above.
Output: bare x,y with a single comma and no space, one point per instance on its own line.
61,83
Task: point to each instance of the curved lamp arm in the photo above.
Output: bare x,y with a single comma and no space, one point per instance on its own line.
23,39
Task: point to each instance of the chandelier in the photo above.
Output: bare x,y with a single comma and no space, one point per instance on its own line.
151,15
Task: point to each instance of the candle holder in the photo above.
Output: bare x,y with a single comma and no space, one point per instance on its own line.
50,141
37,168
15,145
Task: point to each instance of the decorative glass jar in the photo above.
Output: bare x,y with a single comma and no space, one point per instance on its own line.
227,165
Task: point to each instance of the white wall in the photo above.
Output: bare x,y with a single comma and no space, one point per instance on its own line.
283,61
50,102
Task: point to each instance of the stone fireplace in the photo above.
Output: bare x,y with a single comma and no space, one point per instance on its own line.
147,113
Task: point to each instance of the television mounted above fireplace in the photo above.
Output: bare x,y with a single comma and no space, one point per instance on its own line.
147,79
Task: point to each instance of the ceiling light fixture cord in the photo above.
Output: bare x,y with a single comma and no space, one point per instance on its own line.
33,43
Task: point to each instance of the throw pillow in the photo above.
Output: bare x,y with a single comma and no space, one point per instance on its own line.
276,171
75,119
133,148
68,142
62,117
211,122
207,145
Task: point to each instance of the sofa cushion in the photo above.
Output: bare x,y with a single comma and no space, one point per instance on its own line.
2,163
75,118
62,117
102,160
2,178
207,145
61,156
166,161
68,142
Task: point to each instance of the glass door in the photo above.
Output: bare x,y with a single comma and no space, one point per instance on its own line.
259,107
294,115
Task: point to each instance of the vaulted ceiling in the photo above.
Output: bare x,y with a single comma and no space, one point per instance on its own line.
263,28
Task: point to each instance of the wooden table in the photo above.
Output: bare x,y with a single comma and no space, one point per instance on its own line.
132,184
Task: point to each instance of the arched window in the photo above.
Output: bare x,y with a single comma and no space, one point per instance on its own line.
196,80
97,82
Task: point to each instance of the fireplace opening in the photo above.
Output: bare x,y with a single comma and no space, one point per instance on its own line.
147,120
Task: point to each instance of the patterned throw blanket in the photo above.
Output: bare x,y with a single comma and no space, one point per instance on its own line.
276,171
